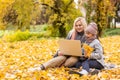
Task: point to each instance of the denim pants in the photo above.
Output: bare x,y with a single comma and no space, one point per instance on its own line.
89,63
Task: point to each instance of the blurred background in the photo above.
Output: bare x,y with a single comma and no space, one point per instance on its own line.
21,20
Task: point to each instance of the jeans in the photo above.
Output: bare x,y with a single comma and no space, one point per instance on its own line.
89,63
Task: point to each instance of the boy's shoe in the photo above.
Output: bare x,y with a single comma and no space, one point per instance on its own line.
74,72
94,71
83,72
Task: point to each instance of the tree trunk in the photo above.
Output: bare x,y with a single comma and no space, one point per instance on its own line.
62,30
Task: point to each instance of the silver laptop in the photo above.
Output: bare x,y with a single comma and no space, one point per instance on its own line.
70,47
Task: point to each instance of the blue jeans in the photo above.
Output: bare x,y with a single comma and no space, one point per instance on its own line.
89,63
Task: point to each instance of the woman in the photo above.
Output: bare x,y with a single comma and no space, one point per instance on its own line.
77,33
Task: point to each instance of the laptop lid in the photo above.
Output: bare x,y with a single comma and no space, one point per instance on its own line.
70,47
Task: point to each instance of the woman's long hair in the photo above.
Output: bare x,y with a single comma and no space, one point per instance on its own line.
84,23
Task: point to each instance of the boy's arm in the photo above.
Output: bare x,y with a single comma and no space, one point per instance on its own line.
97,53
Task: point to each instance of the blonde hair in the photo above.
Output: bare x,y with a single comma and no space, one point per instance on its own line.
83,22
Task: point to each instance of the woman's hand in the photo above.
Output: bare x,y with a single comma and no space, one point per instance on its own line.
60,53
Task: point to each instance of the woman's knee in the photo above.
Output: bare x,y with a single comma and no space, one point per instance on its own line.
55,62
71,61
62,57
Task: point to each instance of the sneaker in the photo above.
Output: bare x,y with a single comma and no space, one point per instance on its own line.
94,71
83,72
74,72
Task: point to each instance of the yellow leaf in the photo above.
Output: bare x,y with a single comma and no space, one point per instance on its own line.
88,49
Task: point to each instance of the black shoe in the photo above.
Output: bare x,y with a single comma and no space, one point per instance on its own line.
42,67
95,71
75,72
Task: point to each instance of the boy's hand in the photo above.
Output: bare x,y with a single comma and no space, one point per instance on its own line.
83,51
84,54
88,50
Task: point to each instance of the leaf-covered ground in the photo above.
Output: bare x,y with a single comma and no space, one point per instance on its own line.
17,57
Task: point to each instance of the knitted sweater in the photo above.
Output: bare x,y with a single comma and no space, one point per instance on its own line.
98,51
80,36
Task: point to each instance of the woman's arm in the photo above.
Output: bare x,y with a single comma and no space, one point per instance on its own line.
69,34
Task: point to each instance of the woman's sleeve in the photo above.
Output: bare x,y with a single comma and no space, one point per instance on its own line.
56,54
98,52
69,34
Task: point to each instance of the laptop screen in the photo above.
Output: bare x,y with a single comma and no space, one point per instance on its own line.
70,47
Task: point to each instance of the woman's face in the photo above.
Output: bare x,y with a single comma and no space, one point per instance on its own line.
79,27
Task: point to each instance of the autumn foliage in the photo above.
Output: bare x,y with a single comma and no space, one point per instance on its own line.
87,49
17,57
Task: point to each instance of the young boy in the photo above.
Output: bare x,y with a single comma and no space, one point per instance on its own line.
96,59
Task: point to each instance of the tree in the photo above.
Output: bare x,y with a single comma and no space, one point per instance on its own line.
104,10
4,4
21,13
117,12
99,11
26,11
60,12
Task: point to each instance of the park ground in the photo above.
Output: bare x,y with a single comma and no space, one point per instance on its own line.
17,57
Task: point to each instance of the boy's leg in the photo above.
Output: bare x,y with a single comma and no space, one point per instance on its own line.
91,64
78,64
54,62
71,61
86,65
95,64
85,68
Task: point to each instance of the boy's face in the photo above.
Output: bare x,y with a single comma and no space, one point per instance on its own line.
79,27
88,34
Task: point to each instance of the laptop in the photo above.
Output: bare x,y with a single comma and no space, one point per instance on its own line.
70,47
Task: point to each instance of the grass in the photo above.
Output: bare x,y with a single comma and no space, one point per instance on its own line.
40,31
111,32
